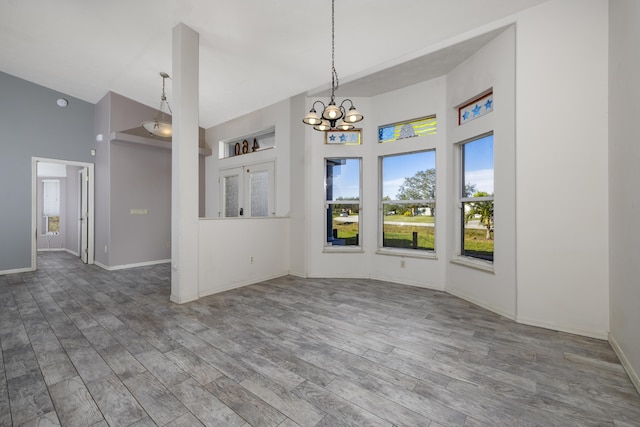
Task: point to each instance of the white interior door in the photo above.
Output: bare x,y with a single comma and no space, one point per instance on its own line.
231,193
259,190
84,215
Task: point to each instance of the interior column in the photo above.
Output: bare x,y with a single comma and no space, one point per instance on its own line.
184,165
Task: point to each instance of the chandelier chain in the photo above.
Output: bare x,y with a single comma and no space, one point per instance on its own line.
334,74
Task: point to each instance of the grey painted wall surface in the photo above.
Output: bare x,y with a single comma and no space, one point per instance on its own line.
131,176
102,181
33,126
140,179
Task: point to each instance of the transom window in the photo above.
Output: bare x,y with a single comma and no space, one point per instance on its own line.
408,200
477,198
407,129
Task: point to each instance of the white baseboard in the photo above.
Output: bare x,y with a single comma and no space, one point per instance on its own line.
633,375
207,292
407,283
601,335
297,274
138,264
480,304
51,249
16,271
74,253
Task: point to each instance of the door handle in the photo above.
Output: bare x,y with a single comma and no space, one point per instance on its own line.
241,211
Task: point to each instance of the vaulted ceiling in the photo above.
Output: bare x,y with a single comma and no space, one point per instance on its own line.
252,52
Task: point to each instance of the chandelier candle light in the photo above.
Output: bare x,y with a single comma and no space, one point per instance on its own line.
333,116
159,126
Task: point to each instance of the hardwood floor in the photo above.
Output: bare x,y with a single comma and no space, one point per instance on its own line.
82,346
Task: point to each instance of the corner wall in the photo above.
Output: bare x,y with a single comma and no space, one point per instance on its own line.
493,66
624,176
561,132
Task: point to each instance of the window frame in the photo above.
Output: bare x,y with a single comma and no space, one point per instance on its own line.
405,252
460,257
327,204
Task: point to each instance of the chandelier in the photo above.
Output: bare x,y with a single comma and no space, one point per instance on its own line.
159,126
333,116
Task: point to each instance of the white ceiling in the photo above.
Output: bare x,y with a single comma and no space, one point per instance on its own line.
253,53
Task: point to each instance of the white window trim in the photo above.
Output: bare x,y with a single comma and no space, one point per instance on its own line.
457,257
402,252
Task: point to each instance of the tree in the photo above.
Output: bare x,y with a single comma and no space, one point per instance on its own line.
483,210
421,186
469,189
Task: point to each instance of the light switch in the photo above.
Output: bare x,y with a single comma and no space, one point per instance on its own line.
138,212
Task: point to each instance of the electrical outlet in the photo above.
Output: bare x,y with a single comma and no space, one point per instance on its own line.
402,264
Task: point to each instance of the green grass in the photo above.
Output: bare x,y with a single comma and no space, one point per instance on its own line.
401,236
476,243
401,218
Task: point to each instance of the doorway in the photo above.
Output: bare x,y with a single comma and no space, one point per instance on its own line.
62,208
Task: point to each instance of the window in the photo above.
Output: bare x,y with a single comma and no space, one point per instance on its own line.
409,200
51,206
476,198
247,191
342,201
259,141
407,129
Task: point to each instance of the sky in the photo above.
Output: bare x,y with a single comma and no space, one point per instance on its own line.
478,169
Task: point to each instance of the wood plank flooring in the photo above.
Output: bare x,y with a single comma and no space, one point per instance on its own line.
85,347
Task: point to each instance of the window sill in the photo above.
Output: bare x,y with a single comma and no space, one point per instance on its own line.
474,263
343,249
407,253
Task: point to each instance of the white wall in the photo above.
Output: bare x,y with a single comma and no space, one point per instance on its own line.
298,223
277,115
561,132
624,176
491,67
234,252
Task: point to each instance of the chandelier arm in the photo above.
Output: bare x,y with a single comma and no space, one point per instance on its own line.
345,100
313,107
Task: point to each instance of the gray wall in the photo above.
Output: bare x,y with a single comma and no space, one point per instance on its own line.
624,176
33,126
140,179
131,176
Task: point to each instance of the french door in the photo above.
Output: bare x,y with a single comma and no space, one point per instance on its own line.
247,191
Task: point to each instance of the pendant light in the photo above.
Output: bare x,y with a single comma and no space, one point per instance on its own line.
333,116
160,126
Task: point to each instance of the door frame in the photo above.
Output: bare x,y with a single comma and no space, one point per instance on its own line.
34,206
